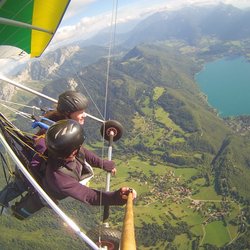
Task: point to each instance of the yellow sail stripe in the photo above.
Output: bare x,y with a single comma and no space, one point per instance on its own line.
47,14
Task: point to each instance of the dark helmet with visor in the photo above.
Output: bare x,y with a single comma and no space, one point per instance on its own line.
71,101
63,137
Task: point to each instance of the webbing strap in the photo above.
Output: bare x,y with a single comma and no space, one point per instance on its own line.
69,172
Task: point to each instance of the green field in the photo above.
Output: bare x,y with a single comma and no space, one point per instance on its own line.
216,234
154,209
161,200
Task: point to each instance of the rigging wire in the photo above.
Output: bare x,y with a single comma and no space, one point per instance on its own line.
7,177
60,75
9,129
19,104
40,94
111,45
18,112
26,116
10,170
89,96
110,51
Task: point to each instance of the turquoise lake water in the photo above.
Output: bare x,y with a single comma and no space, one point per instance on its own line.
226,83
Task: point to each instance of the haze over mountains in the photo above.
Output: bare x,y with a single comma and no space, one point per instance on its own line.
189,24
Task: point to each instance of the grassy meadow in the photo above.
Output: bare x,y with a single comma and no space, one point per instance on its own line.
150,207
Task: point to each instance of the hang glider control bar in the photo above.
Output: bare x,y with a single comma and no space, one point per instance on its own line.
23,25
39,94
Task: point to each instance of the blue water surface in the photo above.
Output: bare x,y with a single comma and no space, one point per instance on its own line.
226,83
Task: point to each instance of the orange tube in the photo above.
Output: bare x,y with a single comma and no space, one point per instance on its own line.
128,231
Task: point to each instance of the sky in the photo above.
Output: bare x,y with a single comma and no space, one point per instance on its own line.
84,18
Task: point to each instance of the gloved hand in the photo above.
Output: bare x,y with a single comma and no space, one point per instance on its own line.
124,192
109,166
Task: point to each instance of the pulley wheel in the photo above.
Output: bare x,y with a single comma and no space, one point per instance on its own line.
111,127
110,237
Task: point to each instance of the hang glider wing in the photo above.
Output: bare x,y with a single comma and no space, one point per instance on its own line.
30,24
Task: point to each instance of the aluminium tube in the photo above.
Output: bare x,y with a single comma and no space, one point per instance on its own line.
16,84
23,25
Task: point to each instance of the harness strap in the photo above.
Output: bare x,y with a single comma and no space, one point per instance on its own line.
69,172
73,174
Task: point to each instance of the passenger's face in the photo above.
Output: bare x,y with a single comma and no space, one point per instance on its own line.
78,116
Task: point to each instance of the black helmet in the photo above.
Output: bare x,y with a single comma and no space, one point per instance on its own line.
71,101
63,137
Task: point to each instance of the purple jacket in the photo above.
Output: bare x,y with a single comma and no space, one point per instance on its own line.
40,147
61,185
90,157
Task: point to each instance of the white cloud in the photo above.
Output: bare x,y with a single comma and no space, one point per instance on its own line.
87,26
237,3
82,30
76,7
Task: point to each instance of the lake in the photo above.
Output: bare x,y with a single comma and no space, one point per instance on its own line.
226,83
